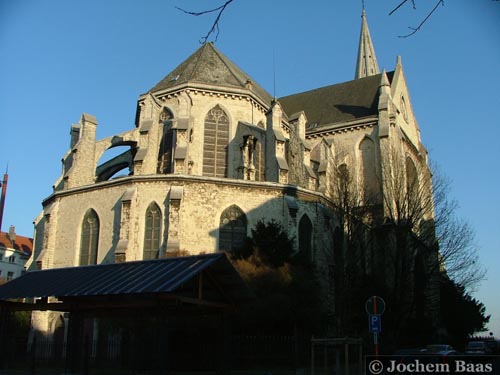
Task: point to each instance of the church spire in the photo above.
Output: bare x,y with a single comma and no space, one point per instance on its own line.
367,61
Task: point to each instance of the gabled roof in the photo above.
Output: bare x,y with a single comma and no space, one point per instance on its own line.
337,103
22,244
210,67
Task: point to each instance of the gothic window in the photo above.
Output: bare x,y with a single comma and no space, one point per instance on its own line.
344,179
166,143
232,229
216,138
305,238
166,115
411,178
368,170
89,242
404,111
259,162
152,232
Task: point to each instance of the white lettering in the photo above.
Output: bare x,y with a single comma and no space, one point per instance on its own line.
392,366
460,366
418,367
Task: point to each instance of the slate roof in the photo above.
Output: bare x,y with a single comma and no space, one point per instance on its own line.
129,278
23,244
337,103
209,66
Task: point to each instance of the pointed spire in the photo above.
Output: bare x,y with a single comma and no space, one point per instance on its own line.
367,61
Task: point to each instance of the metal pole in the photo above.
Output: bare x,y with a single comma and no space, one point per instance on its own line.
2,199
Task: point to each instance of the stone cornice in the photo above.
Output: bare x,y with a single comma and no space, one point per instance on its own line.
285,189
342,127
210,90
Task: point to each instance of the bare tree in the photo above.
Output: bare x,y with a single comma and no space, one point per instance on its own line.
215,26
400,242
426,18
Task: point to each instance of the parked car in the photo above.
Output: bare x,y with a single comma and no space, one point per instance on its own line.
493,346
477,348
440,349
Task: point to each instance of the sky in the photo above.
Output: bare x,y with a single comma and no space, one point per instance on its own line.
60,58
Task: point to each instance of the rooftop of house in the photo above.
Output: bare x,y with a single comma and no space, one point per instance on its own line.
19,243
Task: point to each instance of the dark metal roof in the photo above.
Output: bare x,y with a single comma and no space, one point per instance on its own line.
337,103
129,278
209,66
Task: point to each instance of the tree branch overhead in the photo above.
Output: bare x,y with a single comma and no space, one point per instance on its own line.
215,25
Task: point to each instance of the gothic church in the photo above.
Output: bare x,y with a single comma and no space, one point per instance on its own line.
212,153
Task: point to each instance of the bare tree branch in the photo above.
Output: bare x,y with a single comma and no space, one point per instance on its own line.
416,29
215,25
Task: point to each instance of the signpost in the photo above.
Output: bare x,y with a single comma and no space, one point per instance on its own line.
375,307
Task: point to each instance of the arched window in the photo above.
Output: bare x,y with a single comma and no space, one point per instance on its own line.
232,229
343,183
259,162
89,242
152,232
368,170
216,138
411,178
305,238
166,143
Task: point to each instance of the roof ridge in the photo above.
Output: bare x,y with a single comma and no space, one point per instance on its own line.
224,59
198,59
332,85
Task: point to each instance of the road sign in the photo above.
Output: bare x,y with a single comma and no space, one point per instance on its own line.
375,323
375,306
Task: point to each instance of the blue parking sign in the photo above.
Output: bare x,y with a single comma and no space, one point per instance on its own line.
375,323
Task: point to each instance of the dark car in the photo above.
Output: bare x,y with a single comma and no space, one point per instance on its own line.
477,348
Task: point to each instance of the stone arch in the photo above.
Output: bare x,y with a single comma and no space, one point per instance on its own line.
117,157
368,170
89,238
152,232
232,228
166,114
305,238
215,142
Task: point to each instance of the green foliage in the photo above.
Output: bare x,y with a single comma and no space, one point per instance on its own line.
287,294
462,315
270,241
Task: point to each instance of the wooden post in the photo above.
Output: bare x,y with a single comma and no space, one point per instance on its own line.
346,372
225,353
4,345
312,355
164,347
74,347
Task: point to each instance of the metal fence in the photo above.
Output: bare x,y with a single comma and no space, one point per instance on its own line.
188,353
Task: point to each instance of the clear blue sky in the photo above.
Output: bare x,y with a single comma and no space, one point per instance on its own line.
60,58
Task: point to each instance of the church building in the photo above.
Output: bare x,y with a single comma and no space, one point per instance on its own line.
213,153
